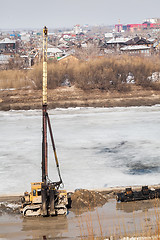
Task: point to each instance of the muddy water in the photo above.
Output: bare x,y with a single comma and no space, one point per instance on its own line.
116,219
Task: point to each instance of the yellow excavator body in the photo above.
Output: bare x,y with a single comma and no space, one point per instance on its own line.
32,202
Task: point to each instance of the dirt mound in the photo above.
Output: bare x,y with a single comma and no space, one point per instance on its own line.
88,199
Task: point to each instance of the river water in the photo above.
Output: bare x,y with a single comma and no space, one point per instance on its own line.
96,147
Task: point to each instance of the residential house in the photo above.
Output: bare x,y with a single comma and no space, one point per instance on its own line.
7,45
68,59
116,43
137,45
54,52
4,59
137,49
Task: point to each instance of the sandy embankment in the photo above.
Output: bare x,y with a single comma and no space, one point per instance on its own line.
93,211
65,97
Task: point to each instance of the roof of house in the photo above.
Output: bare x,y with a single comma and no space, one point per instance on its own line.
67,56
7,40
118,40
54,50
135,47
152,40
137,40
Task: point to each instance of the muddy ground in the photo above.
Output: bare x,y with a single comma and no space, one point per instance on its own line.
81,199
65,97
94,215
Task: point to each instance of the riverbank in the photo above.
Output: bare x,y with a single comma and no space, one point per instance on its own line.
98,222
65,97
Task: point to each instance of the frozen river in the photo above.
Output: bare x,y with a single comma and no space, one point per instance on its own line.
96,147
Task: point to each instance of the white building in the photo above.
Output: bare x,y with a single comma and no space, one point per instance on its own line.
152,20
54,52
77,29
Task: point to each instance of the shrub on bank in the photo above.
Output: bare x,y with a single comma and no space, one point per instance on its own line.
14,79
107,73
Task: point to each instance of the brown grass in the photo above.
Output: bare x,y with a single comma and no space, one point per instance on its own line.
148,228
13,79
107,73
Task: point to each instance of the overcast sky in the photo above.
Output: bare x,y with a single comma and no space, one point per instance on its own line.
67,13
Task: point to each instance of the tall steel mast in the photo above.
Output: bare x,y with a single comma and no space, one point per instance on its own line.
54,201
44,137
44,109
49,189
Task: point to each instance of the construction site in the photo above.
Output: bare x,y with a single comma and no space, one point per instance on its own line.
49,211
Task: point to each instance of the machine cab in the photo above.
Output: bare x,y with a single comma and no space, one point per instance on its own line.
35,195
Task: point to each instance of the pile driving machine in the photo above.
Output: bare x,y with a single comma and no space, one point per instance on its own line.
45,197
